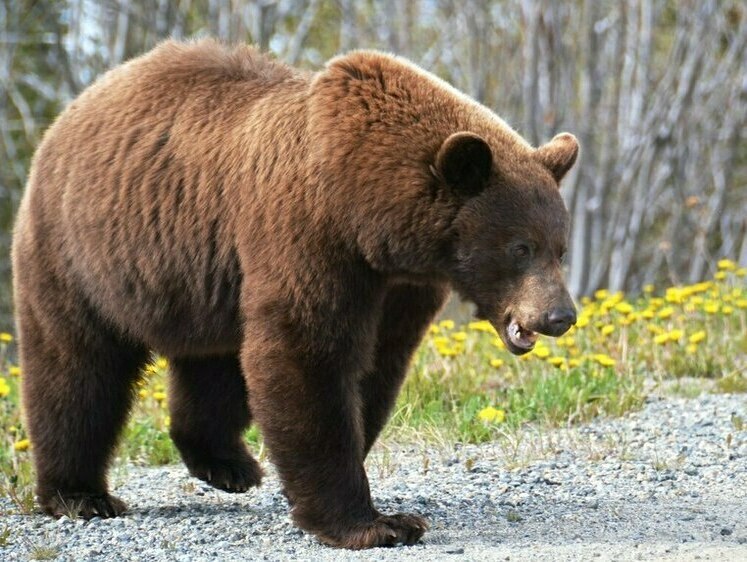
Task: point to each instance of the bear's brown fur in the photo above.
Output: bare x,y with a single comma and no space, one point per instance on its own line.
284,238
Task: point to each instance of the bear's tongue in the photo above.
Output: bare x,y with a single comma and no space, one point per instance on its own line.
520,336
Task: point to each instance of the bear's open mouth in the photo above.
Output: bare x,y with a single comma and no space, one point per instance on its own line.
520,339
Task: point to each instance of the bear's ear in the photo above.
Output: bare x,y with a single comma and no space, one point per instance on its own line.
559,154
464,162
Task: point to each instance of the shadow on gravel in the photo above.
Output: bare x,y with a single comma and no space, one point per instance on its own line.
187,509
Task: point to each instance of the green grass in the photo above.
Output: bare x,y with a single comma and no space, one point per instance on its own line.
43,552
464,386
732,383
450,406
5,536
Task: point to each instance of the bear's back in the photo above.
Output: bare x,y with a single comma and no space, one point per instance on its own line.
133,190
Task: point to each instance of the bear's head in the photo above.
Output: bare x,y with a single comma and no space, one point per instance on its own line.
509,237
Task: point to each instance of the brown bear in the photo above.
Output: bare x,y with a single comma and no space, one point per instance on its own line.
284,238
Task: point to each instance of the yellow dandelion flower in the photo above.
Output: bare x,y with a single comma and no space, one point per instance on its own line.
22,445
585,301
491,415
601,294
691,348
654,329
143,394
674,295
675,335
556,361
459,336
4,388
5,337
727,310
711,307
582,321
608,329
498,342
446,324
648,314
574,362
741,272
12,429
496,363
14,371
604,360
441,340
167,421
159,396
697,337
624,307
648,289
661,339
541,352
445,351
665,312
720,275
434,329
162,363
741,303
726,265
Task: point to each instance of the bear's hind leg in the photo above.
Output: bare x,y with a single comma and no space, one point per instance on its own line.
209,413
77,390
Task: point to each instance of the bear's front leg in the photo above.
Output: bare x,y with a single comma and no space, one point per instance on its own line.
406,314
307,404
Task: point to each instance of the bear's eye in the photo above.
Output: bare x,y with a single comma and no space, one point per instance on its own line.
521,251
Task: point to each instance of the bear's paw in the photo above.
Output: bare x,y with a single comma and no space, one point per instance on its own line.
83,505
235,475
385,530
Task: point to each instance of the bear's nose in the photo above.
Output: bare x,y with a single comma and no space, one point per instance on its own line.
558,320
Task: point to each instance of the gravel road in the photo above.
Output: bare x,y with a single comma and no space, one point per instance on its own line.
668,482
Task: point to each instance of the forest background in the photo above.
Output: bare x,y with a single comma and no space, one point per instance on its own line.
656,91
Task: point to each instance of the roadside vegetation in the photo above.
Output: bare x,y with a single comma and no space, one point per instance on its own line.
464,386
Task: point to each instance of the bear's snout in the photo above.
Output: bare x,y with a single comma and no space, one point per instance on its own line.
558,321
